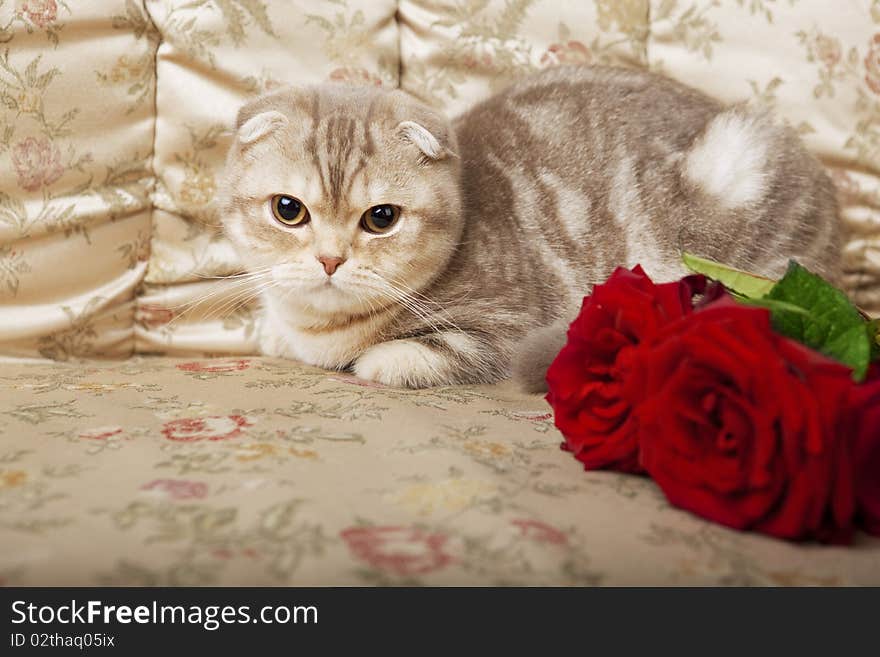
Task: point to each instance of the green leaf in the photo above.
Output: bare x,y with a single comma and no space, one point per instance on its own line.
826,320
874,330
772,305
742,283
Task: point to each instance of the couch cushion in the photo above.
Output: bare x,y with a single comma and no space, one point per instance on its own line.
76,131
454,54
262,472
214,57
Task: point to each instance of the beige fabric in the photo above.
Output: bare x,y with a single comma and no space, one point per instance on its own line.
76,133
255,471
210,62
454,54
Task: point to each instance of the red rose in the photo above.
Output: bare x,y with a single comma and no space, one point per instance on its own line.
193,429
745,427
866,406
400,550
584,381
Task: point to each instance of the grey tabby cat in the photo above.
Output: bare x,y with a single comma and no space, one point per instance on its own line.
419,252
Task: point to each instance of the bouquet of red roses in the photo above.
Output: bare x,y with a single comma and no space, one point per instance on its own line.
750,402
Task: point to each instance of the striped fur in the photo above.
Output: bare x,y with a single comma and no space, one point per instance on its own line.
509,214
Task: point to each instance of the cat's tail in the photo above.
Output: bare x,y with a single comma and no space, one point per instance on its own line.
535,353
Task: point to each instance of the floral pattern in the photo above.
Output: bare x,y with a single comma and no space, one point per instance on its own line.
178,489
192,429
227,461
12,267
100,433
143,204
37,163
133,73
476,48
214,367
280,474
42,15
872,65
63,188
405,551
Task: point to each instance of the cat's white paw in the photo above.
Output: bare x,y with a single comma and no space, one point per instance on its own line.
402,364
272,344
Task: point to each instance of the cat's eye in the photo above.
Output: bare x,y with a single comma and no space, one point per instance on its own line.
380,218
289,211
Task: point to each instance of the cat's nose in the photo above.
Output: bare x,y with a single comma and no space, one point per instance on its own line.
330,264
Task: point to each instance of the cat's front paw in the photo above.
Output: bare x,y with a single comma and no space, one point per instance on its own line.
403,364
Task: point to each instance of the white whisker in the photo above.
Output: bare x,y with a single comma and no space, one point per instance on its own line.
238,292
434,316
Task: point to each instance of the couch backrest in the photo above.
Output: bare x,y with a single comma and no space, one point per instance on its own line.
76,136
116,114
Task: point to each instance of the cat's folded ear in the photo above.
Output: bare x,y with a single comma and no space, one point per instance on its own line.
261,125
427,130
424,140
256,120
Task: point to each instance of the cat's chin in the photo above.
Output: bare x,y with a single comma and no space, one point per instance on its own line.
325,298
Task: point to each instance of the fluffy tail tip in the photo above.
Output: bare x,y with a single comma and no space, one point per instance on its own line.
534,355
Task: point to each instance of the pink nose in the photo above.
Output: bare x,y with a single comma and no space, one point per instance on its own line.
330,264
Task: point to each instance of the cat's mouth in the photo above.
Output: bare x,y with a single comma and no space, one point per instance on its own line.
346,293
314,284
333,286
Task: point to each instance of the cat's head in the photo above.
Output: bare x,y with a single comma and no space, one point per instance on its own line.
344,197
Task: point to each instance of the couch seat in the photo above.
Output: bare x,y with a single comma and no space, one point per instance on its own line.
253,471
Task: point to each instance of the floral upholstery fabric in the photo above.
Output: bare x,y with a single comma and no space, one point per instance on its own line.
76,136
454,54
114,119
256,471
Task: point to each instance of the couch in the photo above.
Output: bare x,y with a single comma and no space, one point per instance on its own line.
142,441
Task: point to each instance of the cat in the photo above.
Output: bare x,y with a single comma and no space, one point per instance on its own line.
415,251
